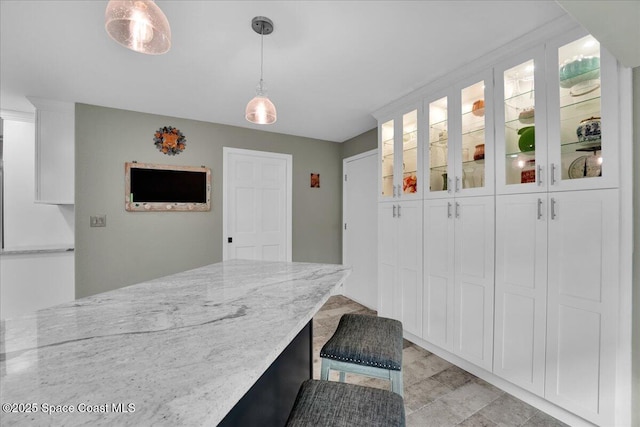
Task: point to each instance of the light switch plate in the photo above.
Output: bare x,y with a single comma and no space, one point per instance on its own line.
98,221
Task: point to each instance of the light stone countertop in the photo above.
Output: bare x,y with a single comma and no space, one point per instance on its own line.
183,349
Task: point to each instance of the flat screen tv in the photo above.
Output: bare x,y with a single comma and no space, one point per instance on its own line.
150,187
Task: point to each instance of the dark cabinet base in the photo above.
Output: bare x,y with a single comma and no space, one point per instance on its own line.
271,398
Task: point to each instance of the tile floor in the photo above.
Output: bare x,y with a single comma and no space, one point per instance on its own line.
436,393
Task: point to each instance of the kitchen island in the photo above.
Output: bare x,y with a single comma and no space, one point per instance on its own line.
178,350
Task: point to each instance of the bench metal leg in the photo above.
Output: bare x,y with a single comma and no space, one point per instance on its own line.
396,382
324,370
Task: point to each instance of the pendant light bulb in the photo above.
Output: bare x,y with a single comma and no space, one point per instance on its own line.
138,25
260,110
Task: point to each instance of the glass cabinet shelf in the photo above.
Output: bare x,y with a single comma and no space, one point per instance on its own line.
472,118
516,101
521,154
439,125
475,134
572,147
592,103
516,124
443,168
439,143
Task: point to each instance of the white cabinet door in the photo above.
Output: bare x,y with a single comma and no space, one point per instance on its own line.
521,124
583,296
438,290
55,151
473,127
400,151
521,290
400,263
387,264
409,216
583,114
474,285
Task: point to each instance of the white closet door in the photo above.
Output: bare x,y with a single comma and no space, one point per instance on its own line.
360,232
257,205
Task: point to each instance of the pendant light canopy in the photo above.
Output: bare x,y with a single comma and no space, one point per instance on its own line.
260,110
138,25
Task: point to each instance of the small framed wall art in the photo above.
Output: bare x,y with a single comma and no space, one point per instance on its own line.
315,180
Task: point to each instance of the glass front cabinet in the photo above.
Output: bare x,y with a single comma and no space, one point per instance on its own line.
399,160
460,140
551,104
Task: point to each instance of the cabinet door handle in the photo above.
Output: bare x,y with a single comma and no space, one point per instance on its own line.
394,192
457,210
457,184
399,211
539,175
553,174
449,188
553,208
539,208
448,209
394,211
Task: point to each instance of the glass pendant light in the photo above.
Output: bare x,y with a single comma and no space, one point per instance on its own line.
138,25
260,110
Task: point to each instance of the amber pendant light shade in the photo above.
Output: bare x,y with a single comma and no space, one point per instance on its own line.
138,25
260,110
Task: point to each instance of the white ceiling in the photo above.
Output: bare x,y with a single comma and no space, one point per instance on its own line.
328,64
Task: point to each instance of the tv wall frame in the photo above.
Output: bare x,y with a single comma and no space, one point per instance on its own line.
131,205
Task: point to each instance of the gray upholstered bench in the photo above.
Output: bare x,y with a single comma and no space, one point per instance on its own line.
365,345
333,404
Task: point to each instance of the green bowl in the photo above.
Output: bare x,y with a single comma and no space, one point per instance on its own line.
527,141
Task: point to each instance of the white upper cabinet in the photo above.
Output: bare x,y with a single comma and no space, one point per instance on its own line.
583,119
400,163
55,151
521,118
556,118
460,139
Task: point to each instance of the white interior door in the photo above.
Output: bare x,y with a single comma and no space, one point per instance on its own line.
360,233
256,205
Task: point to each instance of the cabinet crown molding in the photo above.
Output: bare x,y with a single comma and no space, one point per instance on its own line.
51,104
17,116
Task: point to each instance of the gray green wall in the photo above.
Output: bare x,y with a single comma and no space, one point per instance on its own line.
635,324
360,144
138,246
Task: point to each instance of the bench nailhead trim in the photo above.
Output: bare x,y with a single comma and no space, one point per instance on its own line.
361,362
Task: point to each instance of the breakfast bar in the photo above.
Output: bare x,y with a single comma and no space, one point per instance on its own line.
178,350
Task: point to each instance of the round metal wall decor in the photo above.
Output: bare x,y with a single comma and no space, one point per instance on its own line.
169,140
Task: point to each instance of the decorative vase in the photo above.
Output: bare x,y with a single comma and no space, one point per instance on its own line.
478,108
479,153
589,130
